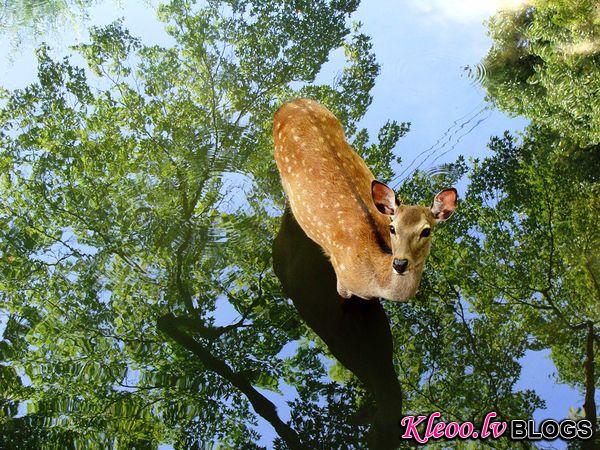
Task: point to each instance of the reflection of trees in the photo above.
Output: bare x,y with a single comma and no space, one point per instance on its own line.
517,269
126,236
538,195
544,65
450,357
22,19
538,267
120,212
262,406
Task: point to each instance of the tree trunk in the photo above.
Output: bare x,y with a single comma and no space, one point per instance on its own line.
589,406
263,406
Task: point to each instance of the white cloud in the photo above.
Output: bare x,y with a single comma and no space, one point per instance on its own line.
464,11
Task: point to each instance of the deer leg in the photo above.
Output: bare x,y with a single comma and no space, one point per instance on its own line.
342,291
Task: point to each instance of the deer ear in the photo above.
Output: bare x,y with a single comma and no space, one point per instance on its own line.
444,204
384,198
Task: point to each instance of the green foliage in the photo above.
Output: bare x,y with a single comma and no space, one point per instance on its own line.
538,263
450,355
544,65
140,189
535,253
380,157
21,20
138,204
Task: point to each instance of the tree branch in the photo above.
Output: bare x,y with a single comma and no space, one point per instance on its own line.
263,406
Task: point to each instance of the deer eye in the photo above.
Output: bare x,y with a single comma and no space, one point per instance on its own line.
426,232
392,229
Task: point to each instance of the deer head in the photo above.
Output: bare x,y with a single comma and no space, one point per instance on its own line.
411,226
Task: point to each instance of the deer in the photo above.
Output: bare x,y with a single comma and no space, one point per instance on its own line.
376,245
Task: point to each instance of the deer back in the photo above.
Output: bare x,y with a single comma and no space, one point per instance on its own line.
328,185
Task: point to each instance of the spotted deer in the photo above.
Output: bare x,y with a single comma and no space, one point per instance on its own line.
377,246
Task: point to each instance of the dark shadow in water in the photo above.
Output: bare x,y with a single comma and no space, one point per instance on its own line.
356,331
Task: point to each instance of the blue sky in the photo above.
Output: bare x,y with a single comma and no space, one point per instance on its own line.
423,47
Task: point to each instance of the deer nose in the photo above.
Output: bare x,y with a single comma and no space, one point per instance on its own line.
400,265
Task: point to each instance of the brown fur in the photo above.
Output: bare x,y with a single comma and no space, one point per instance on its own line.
329,189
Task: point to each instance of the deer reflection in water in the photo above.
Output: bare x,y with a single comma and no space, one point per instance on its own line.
356,331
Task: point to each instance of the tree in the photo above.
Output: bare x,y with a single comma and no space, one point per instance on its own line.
139,202
451,356
544,65
20,20
529,251
123,227
540,247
